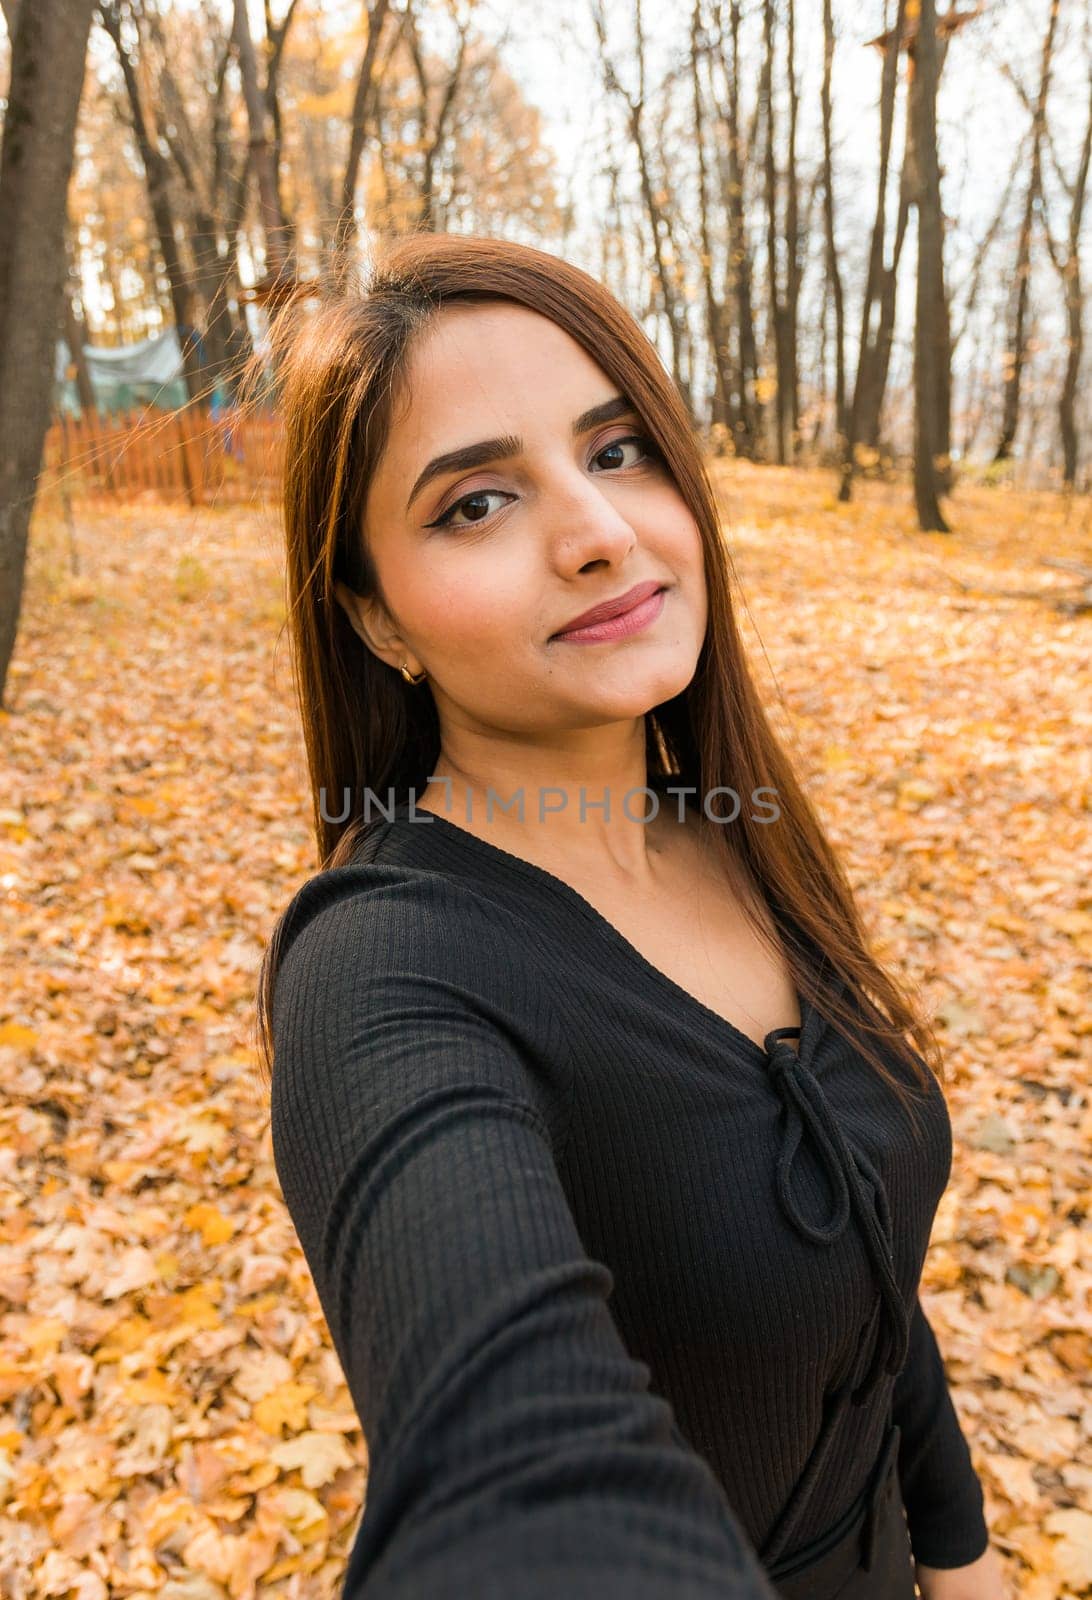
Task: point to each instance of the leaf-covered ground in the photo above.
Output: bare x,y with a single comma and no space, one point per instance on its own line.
173,1421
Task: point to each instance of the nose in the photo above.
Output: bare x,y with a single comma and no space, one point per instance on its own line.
583,527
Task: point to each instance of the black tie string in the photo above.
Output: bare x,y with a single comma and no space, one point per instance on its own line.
807,1110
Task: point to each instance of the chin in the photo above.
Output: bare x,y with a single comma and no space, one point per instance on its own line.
638,699
665,684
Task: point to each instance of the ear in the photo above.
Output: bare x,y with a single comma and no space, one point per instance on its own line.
371,622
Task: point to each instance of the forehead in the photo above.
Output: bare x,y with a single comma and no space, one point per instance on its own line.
477,371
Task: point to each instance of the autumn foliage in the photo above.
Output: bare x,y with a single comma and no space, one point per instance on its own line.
173,1420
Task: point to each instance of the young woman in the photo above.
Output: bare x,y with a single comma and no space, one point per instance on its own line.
580,1008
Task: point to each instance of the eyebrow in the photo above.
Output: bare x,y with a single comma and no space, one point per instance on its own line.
469,456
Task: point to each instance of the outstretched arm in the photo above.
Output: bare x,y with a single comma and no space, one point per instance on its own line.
515,1449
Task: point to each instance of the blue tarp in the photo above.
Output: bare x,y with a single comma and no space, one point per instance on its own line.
125,376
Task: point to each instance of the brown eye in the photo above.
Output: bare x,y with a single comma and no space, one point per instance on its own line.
468,501
648,450
472,500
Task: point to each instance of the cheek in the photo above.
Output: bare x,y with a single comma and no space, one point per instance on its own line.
668,527
687,556
682,547
688,539
472,603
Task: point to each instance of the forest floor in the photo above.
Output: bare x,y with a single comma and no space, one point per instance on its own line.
173,1420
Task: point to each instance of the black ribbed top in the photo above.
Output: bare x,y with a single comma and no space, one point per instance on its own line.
620,1295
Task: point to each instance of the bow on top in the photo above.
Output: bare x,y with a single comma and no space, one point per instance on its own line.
808,1112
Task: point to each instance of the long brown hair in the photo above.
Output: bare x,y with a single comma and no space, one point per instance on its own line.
341,372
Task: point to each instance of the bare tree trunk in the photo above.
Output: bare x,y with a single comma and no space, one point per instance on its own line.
1069,270
1067,401
880,365
716,319
1017,353
48,51
156,177
782,413
784,299
276,37
228,198
433,141
946,29
870,364
363,103
945,474
794,264
750,407
681,332
658,221
75,335
930,320
209,197
834,276
261,147
749,410
212,288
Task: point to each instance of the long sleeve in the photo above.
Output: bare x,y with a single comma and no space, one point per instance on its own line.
515,1449
940,1488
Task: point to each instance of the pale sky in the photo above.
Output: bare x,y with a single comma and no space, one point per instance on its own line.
550,50
980,116
981,121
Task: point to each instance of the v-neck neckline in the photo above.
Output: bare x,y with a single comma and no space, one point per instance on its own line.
607,930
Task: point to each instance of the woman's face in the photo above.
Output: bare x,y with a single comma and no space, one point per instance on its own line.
482,562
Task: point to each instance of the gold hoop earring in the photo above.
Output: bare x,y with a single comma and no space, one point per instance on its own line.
408,675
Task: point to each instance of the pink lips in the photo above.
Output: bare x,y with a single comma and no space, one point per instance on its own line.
645,603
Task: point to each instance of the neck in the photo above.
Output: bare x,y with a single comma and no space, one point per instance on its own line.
586,809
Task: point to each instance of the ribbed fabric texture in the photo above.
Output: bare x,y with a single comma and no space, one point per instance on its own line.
592,1348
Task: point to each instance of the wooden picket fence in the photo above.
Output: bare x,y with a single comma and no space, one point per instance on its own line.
169,455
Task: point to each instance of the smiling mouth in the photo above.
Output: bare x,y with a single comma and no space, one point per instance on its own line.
620,626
